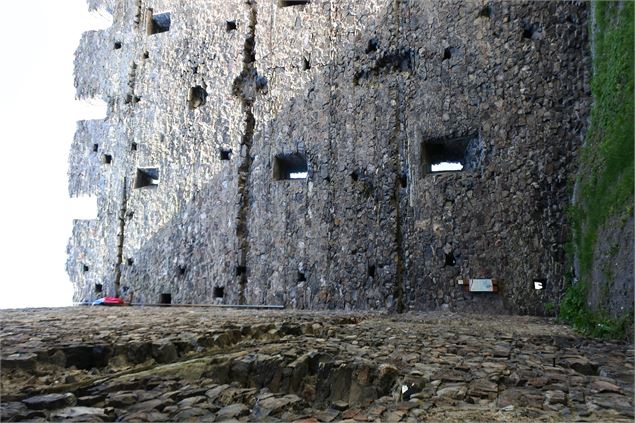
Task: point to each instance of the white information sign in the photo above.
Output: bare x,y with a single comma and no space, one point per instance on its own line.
481,285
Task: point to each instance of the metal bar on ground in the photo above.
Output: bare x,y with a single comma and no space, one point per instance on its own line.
251,306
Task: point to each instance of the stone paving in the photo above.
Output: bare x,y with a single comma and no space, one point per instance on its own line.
209,364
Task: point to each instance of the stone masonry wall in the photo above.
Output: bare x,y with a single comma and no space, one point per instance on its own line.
364,91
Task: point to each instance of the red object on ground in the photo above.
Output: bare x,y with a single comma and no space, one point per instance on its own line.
112,301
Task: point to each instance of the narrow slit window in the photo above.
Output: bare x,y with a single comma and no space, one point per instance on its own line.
290,167
158,23
147,177
95,148
165,298
218,292
450,154
287,3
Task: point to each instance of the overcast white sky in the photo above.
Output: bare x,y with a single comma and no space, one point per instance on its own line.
38,110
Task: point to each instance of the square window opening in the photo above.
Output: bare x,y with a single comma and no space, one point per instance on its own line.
231,26
301,277
147,177
158,23
133,146
99,288
95,148
165,298
106,159
451,154
117,45
290,167
218,292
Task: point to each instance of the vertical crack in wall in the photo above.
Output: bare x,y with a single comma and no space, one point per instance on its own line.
121,236
244,88
398,290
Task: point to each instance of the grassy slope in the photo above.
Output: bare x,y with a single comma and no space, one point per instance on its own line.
605,179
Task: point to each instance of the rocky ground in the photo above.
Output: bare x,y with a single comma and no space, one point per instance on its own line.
191,364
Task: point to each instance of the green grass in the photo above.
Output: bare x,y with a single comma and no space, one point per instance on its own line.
574,310
605,180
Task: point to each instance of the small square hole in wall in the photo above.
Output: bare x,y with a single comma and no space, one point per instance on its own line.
106,159
301,277
147,177
450,260
485,12
196,97
117,45
371,270
95,148
130,261
373,45
158,23
225,154
287,3
146,55
218,292
85,268
231,26
99,287
403,180
132,99
528,30
181,270
290,167
165,298
133,146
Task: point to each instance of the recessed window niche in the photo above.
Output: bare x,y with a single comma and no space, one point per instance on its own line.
290,167
450,154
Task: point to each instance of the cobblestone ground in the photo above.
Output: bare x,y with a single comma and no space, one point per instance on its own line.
191,364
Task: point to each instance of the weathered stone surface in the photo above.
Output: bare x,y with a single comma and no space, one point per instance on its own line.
344,367
82,414
580,364
19,361
364,92
231,411
50,401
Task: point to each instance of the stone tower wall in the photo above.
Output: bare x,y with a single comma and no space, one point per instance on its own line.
361,90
